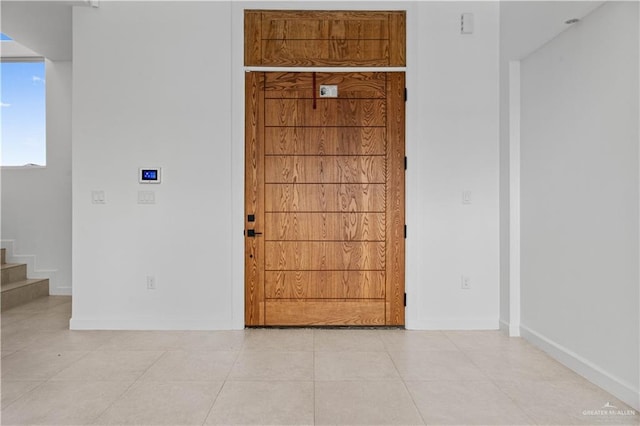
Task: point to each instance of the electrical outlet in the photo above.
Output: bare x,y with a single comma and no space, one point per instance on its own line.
466,196
151,282
465,283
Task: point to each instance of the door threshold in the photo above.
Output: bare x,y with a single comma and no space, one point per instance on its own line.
325,327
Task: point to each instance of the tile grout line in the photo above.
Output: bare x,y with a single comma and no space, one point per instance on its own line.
23,395
313,372
494,382
116,399
404,383
50,379
402,379
224,381
488,374
119,397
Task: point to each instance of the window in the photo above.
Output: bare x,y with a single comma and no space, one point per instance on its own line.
22,111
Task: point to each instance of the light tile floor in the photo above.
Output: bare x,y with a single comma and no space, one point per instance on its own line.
51,375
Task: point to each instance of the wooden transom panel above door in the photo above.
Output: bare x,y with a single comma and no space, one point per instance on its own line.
324,199
325,38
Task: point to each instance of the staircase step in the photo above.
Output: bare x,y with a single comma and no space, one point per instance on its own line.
12,272
3,256
21,292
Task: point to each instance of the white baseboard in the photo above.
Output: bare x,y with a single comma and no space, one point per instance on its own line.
509,329
149,324
32,269
514,330
504,327
454,324
59,291
617,387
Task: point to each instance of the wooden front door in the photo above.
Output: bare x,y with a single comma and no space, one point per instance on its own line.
324,199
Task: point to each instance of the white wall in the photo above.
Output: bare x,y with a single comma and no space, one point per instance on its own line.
580,198
455,149
36,202
172,95
504,165
525,26
152,88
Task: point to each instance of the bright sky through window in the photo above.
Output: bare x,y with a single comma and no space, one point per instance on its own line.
22,113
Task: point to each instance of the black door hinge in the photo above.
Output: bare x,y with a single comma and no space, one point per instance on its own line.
405,231
405,299
405,163
406,94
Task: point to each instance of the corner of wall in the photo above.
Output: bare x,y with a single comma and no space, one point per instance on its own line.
55,289
623,390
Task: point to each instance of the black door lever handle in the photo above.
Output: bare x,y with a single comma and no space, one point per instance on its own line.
252,233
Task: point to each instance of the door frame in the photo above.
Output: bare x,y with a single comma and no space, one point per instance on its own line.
395,198
237,94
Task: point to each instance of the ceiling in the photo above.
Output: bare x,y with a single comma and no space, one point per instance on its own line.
13,49
45,26
527,25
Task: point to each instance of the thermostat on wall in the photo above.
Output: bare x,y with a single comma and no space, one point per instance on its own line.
149,175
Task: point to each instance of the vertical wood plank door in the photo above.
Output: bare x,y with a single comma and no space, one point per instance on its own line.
324,199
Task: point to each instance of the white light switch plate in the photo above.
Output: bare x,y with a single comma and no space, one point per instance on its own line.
97,197
146,197
466,23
